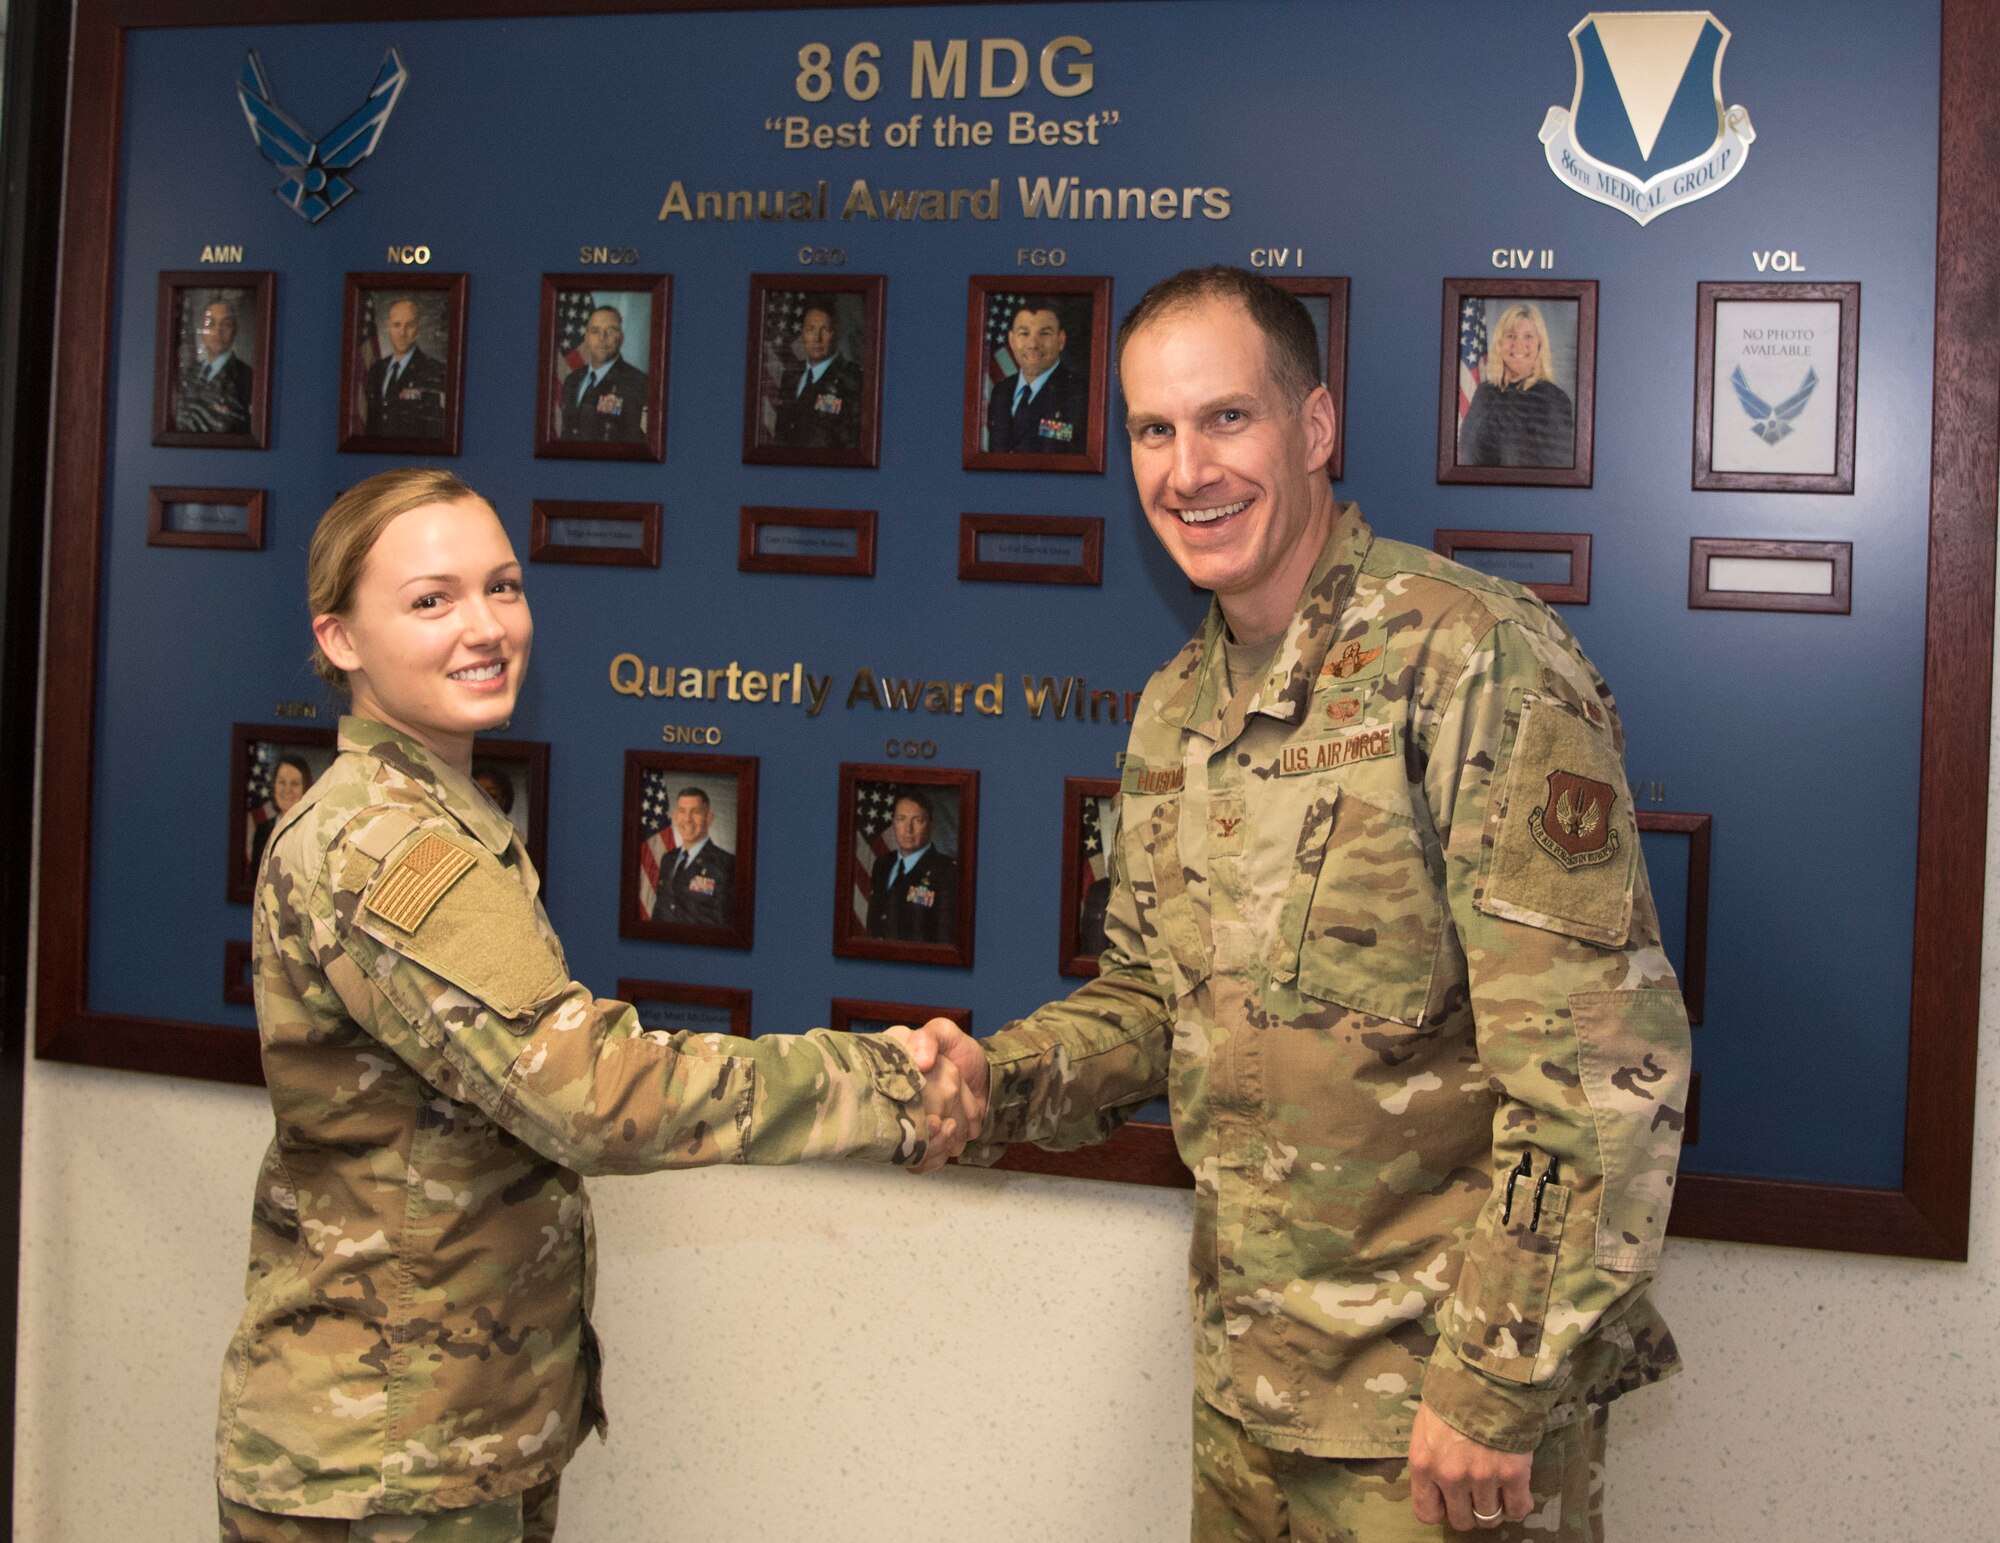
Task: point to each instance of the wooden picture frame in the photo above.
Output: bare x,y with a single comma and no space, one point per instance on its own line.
855,1015
519,769
707,1009
270,767
559,531
837,421
1086,873
162,531
1022,566
1575,590
922,917
238,989
1779,400
1081,403
221,406
1699,829
669,796
621,414
422,410
757,521
1703,595
1487,435
1311,290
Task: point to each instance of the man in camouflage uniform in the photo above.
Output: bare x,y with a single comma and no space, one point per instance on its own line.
417,1336
1381,930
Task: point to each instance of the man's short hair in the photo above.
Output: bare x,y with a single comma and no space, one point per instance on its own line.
226,304
1036,308
822,303
599,310
1291,344
692,793
913,795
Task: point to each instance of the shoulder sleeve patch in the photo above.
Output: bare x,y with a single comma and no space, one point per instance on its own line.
1560,841
405,894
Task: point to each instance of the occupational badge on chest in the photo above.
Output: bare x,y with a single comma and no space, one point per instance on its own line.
1361,659
1574,825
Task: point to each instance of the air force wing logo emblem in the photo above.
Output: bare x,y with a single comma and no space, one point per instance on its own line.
1646,130
315,173
1767,422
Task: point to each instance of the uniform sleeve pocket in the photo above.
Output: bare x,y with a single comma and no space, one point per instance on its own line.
1559,842
1502,1303
1363,923
1632,1054
463,918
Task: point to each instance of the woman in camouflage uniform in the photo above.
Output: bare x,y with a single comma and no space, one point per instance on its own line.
415,1360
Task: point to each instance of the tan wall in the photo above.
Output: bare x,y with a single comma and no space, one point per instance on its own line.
849,1354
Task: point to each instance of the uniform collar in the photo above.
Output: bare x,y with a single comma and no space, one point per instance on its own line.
1202,703
451,788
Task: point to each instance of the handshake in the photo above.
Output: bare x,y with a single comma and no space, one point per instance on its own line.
955,1086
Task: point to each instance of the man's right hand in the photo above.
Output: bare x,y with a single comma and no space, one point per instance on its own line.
954,1088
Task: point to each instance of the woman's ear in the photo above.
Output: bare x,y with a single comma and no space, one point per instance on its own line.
330,632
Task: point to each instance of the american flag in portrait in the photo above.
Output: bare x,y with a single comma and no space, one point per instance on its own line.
259,807
367,353
656,805
573,308
874,808
784,314
1097,828
1000,366
1471,349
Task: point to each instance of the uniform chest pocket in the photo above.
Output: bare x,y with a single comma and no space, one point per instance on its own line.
1363,922
1152,849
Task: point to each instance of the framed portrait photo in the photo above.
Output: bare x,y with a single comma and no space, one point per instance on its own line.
904,863
212,360
812,381
668,1007
1517,384
1037,372
229,518
402,372
852,1015
1325,300
514,774
270,767
601,385
1774,376
689,873
1090,830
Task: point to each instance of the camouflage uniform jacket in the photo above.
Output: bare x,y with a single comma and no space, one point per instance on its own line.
1381,930
417,1335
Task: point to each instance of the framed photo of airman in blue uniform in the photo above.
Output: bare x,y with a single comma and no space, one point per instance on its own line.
402,372
601,391
270,768
905,857
1037,372
212,360
1090,831
690,848
812,378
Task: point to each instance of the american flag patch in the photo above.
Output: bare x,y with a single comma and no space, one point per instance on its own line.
404,895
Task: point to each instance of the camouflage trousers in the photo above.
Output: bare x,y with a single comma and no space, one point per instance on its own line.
529,1517
1246,1493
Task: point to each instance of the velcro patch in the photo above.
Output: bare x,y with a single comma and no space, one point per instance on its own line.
1337,750
1153,779
1359,660
404,895
1560,833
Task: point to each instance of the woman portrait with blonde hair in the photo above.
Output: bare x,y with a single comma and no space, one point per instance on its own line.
1518,416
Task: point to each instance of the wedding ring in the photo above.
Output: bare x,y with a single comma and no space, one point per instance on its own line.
1480,1516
